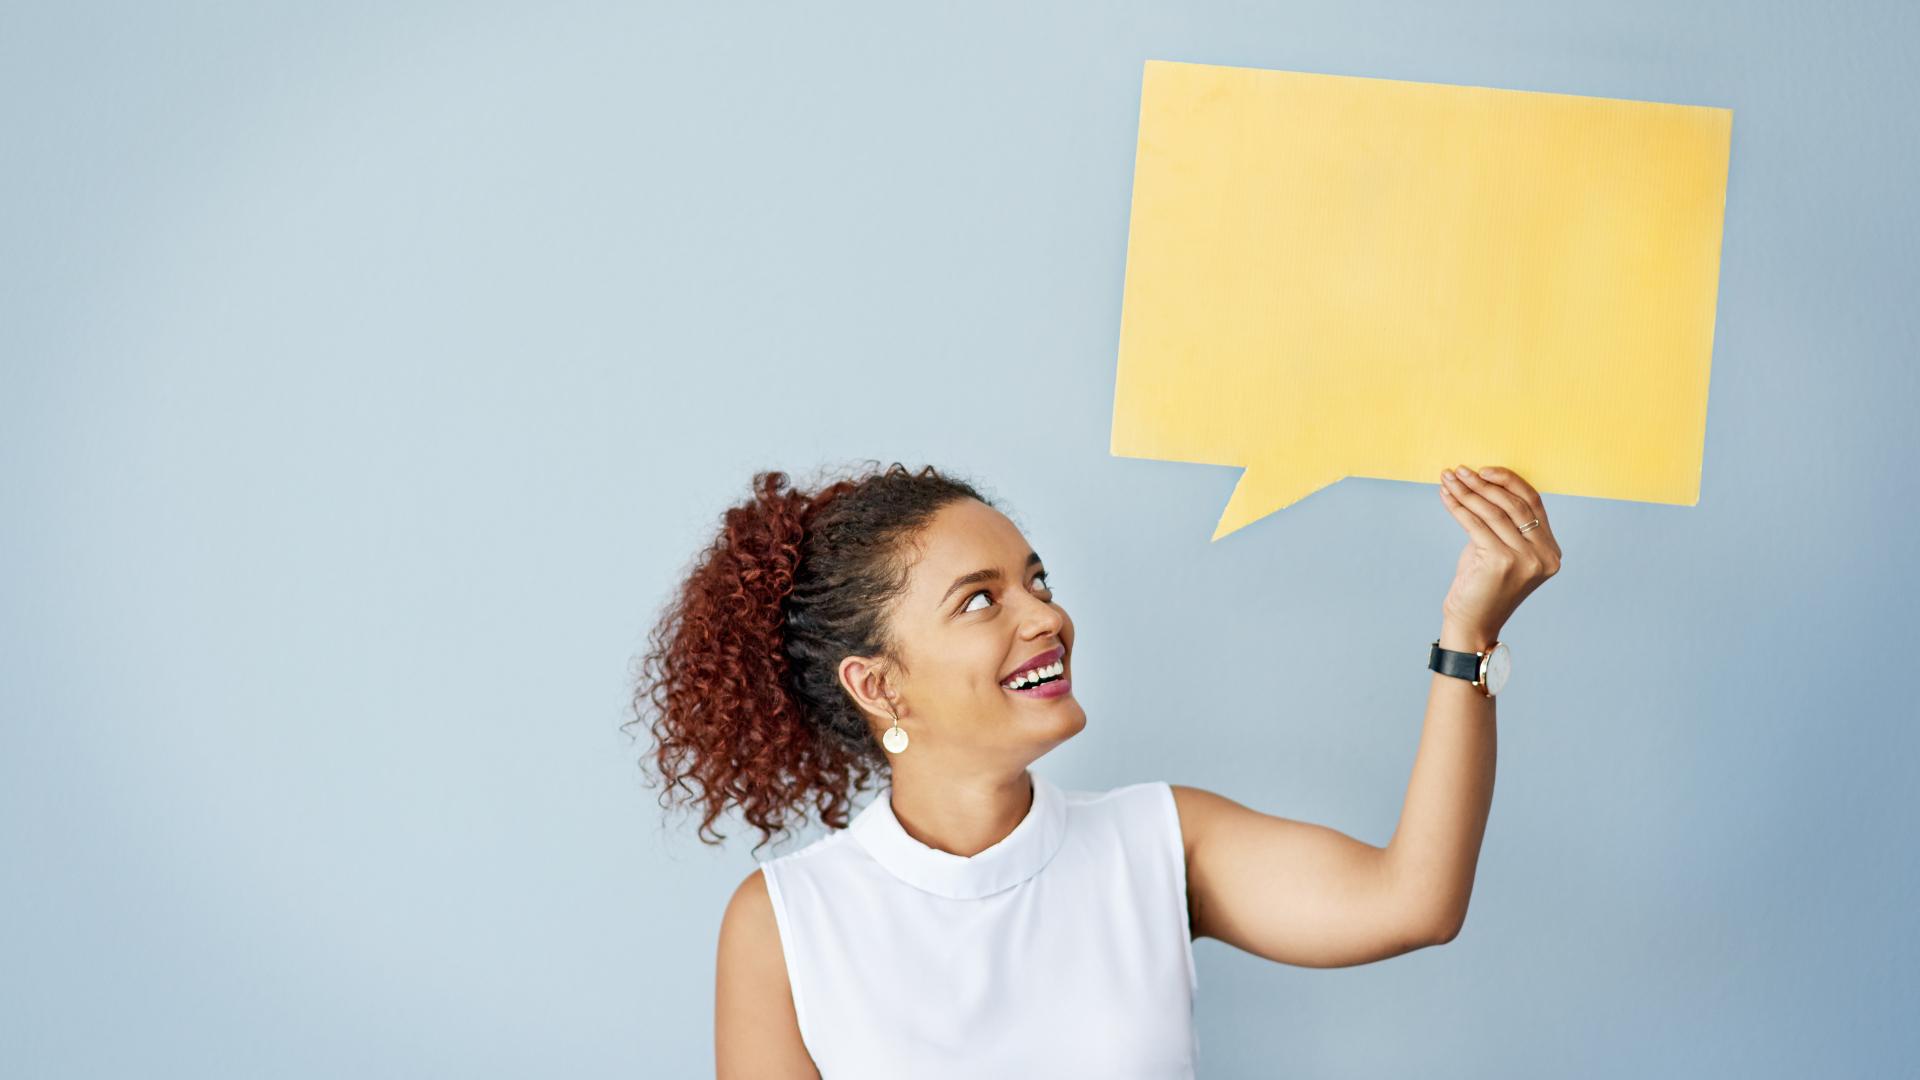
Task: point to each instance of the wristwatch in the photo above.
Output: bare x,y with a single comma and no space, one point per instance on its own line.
1487,670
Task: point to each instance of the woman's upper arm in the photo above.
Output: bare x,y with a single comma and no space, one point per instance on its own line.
756,1032
1292,891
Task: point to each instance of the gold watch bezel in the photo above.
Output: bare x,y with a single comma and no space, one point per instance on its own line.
1486,660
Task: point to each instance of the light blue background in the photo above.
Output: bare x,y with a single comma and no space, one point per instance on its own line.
372,372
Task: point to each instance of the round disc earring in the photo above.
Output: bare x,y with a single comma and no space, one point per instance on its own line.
895,740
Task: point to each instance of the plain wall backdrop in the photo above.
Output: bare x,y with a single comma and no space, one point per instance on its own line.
372,372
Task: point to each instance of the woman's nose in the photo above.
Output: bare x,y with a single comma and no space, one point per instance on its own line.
1044,613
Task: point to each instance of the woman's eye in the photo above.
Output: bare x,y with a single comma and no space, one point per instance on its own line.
1041,579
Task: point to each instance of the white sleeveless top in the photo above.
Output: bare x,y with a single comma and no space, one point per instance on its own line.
1061,951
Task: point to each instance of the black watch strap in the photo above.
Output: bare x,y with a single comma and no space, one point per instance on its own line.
1460,665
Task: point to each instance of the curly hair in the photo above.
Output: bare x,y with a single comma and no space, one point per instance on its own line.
742,673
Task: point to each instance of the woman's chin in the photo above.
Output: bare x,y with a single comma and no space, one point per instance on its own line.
1060,721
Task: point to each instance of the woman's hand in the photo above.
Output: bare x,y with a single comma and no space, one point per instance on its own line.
1500,565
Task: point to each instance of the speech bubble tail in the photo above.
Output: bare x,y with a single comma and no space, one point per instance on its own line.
1262,490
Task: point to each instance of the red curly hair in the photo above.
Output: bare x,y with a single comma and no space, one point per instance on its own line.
742,674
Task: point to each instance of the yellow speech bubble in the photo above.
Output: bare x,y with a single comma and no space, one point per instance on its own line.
1331,276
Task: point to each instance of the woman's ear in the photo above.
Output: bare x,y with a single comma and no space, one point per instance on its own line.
865,679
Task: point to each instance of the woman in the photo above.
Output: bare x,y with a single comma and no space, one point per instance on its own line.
974,919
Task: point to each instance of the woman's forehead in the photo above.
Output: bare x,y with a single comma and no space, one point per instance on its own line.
963,538
968,531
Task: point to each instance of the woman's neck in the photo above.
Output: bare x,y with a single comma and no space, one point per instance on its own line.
961,815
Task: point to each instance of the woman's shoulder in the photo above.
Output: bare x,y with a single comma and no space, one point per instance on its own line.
1152,794
825,846
1144,807
756,1020
748,922
751,904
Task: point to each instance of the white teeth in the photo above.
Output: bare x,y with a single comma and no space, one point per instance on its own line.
1058,667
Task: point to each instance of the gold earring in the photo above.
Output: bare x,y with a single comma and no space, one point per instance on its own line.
895,740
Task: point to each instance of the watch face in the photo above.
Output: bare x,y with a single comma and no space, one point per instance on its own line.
1499,666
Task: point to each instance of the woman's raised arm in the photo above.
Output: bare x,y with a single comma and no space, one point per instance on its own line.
1305,894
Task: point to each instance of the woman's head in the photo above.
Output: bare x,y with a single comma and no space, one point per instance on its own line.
812,620
976,605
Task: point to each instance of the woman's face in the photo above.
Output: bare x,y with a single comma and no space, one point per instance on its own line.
977,606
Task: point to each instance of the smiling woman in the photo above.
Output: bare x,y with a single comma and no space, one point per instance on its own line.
974,919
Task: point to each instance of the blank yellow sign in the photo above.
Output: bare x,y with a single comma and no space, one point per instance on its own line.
1331,276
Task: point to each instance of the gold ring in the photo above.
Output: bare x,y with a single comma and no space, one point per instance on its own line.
1534,524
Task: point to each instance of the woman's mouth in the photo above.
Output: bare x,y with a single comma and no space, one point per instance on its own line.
1059,687
1053,683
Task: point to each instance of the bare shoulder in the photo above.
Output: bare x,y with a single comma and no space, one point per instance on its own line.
1199,809
756,1029
1203,813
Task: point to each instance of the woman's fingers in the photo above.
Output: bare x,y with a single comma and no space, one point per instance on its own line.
1495,527
1510,479
1515,489
1515,483
1476,529
1516,509
1536,507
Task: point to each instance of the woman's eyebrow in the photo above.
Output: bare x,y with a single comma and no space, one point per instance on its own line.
979,576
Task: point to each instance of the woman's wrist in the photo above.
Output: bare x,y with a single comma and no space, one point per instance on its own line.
1459,637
